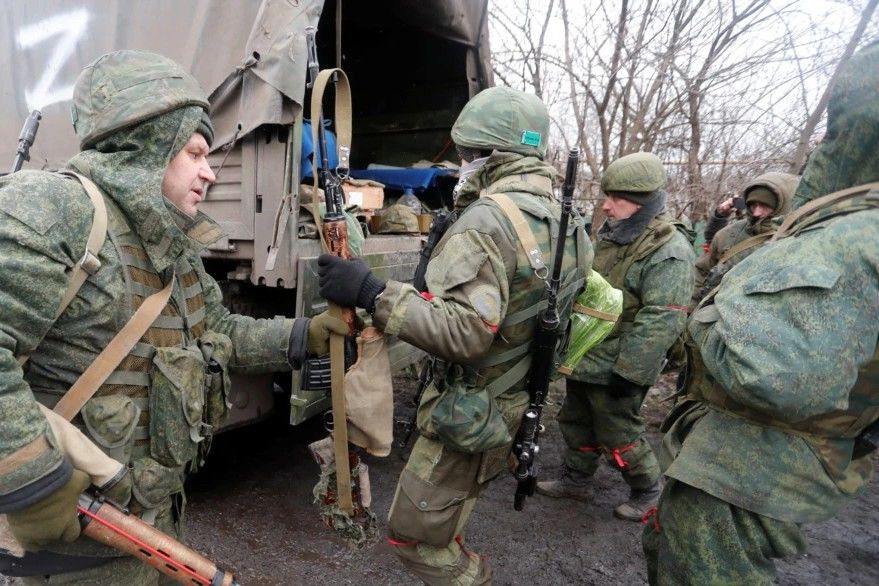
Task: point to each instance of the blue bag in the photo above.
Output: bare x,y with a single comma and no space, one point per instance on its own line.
305,169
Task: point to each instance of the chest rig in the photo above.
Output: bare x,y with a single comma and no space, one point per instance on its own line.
536,227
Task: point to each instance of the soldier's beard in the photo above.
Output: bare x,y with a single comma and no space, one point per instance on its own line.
465,172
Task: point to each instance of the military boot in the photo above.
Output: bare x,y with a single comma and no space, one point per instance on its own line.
640,501
572,484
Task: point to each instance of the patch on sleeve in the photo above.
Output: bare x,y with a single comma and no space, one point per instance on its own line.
487,303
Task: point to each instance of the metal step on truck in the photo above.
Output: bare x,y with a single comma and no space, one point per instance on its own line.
411,65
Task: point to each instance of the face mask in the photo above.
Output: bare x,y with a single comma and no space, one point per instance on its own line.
465,172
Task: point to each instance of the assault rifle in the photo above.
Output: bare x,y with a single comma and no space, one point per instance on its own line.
441,222
543,358
26,139
335,236
106,522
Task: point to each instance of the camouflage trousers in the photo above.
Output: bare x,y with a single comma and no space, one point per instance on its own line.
124,570
435,496
695,538
595,423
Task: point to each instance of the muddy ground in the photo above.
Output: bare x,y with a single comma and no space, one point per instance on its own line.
251,509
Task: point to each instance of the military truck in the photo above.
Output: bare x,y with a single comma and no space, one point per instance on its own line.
412,66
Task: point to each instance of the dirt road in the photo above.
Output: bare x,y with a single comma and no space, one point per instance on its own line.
251,509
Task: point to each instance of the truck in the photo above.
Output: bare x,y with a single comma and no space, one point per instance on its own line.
411,65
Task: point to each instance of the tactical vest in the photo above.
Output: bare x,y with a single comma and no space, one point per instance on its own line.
613,261
819,430
508,360
180,322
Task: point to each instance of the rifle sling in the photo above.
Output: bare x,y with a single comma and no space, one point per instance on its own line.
110,357
342,121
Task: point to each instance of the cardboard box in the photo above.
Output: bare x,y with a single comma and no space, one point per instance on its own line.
424,221
368,195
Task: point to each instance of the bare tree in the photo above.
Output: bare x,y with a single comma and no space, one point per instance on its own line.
814,118
718,88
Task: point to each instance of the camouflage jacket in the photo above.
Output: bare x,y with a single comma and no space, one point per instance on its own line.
707,276
44,223
480,284
656,289
777,357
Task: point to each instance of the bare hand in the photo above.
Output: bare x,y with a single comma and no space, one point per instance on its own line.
725,208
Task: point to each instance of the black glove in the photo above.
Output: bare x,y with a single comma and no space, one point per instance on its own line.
348,283
621,387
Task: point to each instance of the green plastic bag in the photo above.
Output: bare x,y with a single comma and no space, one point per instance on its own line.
595,313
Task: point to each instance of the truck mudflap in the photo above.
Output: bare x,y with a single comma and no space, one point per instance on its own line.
391,257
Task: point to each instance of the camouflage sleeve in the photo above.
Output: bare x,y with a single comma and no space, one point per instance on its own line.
468,286
44,223
260,345
795,320
666,287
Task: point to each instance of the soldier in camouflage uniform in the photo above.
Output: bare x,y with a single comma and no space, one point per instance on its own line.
144,132
649,256
476,319
783,373
766,197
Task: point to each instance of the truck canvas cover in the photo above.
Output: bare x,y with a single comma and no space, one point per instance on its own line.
248,55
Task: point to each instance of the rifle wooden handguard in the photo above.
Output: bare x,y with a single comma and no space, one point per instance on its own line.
125,532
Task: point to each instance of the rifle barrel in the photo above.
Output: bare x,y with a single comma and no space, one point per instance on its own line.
26,139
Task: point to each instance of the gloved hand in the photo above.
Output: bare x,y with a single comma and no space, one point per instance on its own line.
52,518
621,387
319,330
120,490
348,283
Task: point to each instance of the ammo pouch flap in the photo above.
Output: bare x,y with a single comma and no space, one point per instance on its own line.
369,395
466,418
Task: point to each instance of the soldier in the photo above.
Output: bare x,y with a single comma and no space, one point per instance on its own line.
766,197
476,320
783,373
642,251
144,132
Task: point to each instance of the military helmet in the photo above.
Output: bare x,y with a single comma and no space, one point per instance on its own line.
399,218
124,88
504,119
637,173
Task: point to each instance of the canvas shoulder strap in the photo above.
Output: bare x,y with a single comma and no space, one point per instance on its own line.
820,203
523,232
89,264
118,348
746,244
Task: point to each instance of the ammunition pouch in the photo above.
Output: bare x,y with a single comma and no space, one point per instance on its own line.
188,387
466,417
